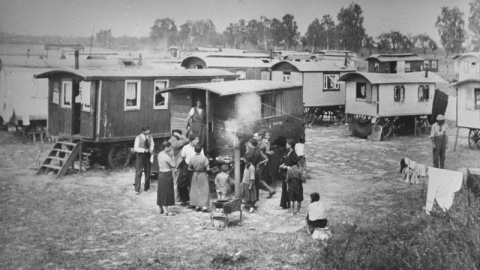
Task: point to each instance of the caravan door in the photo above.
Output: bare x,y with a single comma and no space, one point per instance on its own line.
86,100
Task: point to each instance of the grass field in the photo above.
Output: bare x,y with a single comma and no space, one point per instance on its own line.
94,220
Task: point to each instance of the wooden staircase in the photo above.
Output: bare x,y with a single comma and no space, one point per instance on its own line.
61,158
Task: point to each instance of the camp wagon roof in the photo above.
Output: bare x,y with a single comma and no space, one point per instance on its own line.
236,87
388,78
226,61
320,66
87,74
395,57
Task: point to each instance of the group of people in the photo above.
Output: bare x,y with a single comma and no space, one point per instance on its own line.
183,172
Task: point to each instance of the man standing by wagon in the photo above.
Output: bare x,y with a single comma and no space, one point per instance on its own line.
143,147
439,136
185,175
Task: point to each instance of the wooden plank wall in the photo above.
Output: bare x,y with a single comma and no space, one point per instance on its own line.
180,104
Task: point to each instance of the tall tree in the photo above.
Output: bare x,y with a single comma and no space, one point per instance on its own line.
474,23
451,27
423,41
433,46
350,27
328,36
313,34
277,31
203,32
185,34
164,29
290,30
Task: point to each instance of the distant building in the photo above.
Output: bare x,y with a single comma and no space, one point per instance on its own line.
431,63
395,63
467,66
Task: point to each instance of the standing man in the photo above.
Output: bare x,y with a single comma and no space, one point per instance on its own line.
178,141
185,175
264,146
439,136
258,159
143,147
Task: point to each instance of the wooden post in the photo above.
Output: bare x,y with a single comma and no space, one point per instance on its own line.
236,160
456,139
207,111
80,156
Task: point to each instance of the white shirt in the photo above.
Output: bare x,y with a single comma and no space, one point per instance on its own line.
299,149
141,148
192,111
188,151
316,210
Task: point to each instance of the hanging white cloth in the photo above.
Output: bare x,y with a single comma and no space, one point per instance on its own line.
442,185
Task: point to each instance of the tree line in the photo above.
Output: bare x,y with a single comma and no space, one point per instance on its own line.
348,33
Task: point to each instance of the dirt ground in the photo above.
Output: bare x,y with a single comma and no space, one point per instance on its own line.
52,223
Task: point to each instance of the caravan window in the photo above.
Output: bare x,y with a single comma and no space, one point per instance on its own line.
271,105
160,100
132,95
399,93
423,93
66,96
407,67
330,82
286,76
434,64
477,99
361,91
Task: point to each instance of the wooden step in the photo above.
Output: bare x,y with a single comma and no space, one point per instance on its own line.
51,166
61,150
67,143
57,158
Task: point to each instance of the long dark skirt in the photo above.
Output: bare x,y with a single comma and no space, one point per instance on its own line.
165,193
285,199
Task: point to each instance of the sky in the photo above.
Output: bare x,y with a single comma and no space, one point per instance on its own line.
136,17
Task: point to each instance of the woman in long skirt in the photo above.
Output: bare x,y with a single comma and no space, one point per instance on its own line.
165,192
288,161
199,190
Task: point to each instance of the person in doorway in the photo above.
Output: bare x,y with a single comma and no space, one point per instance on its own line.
439,136
165,192
143,146
316,217
177,141
222,183
197,121
289,160
295,179
185,174
199,191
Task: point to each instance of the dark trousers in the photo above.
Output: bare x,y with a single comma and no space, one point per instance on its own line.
259,183
319,223
183,187
285,199
142,164
439,152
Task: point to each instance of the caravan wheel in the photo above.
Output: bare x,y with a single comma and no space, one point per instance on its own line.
474,138
119,156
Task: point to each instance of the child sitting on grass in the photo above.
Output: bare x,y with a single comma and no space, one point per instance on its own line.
249,193
222,183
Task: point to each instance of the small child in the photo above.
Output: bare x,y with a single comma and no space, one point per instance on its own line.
249,193
222,183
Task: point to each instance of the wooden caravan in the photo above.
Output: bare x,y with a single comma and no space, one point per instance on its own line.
237,109
323,94
389,99
395,63
249,66
467,66
106,109
431,63
468,109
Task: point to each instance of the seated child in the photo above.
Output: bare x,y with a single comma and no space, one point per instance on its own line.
316,213
249,193
222,183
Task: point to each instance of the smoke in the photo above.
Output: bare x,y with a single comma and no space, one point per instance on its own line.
247,111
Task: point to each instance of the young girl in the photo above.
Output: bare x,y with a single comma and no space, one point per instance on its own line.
249,193
222,183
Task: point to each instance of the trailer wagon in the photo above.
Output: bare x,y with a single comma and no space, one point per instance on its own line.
101,111
468,109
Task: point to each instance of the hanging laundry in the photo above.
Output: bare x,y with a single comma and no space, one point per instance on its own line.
411,170
442,185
